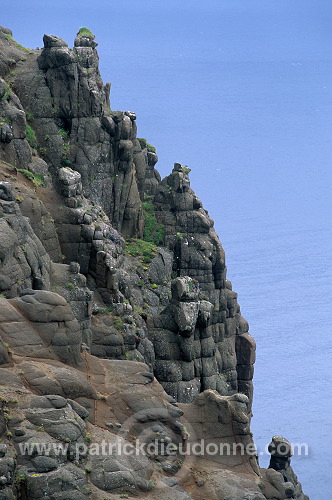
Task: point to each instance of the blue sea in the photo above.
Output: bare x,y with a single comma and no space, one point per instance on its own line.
241,92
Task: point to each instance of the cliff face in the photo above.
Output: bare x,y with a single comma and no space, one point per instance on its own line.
117,322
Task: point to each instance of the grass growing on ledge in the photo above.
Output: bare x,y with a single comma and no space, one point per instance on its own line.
144,144
37,179
31,136
17,45
63,133
85,32
140,248
186,170
7,93
153,232
104,310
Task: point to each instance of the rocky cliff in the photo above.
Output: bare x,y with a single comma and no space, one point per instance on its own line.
117,322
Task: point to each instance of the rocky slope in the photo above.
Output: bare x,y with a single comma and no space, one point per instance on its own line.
117,322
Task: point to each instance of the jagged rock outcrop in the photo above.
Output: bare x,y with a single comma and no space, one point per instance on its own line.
25,262
117,321
279,479
75,127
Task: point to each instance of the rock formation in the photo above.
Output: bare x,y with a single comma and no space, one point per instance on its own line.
117,321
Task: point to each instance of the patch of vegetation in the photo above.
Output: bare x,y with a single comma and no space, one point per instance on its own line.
144,144
118,323
104,310
193,285
262,486
7,93
31,136
139,310
17,45
143,314
186,170
6,416
65,161
130,356
2,296
63,133
140,248
88,438
37,179
153,232
151,485
20,477
84,31
203,296
30,116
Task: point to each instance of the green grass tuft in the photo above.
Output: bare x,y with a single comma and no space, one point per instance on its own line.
153,232
85,32
31,136
37,179
144,144
30,116
140,248
7,93
17,45
63,133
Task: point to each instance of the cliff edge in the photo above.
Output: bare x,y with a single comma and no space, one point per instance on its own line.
125,364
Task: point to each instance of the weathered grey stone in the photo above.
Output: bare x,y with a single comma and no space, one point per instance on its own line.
79,409
53,41
6,191
185,315
167,371
245,349
44,464
280,447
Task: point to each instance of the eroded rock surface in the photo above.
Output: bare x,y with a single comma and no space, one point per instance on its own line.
118,325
